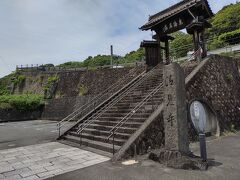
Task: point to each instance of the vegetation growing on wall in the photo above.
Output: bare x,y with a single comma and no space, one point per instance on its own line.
21,102
83,90
5,83
50,86
51,80
19,79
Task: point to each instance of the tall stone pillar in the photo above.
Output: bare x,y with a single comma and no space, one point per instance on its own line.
175,109
176,153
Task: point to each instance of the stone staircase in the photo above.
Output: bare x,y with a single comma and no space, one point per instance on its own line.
123,114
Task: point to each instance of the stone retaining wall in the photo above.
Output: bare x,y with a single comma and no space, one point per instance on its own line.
217,82
16,115
57,109
74,83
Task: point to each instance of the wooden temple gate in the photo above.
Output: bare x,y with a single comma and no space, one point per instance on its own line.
189,14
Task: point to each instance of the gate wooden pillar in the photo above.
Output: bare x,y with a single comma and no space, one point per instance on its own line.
165,39
152,53
197,29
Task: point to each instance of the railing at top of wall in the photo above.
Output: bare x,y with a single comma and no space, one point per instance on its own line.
84,109
37,67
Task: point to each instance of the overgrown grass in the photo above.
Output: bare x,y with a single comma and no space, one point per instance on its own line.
21,102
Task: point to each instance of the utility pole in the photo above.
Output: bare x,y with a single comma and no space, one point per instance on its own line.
111,49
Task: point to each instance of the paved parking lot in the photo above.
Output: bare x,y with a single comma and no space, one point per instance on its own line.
17,134
45,160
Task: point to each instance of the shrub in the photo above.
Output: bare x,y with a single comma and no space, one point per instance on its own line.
230,37
21,102
216,43
19,79
229,77
4,91
51,80
83,90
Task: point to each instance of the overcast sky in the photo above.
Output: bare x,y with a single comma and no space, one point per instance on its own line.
56,31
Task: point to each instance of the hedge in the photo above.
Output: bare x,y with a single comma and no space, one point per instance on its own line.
232,37
21,102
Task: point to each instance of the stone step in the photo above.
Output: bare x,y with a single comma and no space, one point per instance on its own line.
142,96
118,119
106,133
103,139
140,99
125,111
117,114
129,107
91,143
127,130
134,104
147,87
98,126
129,123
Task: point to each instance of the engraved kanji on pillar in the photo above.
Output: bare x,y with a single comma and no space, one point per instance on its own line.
175,116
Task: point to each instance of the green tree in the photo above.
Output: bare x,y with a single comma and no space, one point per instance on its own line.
226,20
134,56
232,37
181,44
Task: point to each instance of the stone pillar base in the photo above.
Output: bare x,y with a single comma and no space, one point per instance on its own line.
177,160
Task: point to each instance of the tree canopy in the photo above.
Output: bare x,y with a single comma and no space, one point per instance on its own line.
226,20
181,44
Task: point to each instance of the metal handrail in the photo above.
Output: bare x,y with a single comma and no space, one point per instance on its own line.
84,107
126,118
104,102
133,111
139,82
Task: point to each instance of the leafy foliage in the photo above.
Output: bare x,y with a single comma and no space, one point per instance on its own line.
230,37
227,19
51,80
216,43
103,60
19,79
21,102
83,90
4,83
133,56
181,44
72,64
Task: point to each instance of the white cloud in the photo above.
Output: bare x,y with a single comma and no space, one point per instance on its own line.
55,31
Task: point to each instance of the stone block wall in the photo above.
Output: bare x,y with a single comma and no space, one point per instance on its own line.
92,81
57,109
217,82
189,66
17,115
74,83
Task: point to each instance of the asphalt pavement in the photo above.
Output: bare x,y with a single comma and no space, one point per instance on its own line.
223,154
18,134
